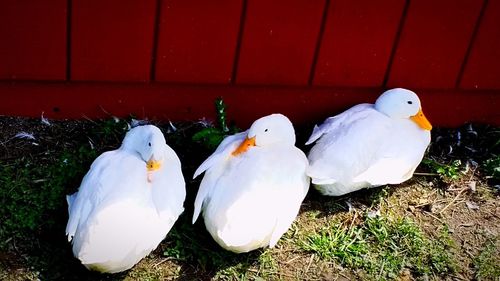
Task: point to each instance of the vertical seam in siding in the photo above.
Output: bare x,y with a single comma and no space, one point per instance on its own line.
396,43
156,35
319,42
238,41
69,11
471,44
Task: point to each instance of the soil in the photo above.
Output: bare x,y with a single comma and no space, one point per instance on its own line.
469,207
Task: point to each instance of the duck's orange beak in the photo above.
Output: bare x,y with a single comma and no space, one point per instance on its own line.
153,165
421,120
244,146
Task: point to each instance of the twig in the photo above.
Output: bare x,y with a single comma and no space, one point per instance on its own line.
381,269
426,174
162,261
279,273
292,259
343,275
353,219
428,202
40,180
309,264
454,199
433,216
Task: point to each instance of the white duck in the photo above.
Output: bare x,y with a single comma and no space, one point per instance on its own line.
253,186
127,202
369,144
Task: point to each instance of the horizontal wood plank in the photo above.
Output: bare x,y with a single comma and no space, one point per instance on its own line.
245,104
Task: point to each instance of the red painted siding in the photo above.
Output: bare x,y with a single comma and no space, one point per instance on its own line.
112,40
169,59
33,40
357,42
279,40
196,44
433,43
483,67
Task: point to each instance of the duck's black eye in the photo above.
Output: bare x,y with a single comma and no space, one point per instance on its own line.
266,130
410,102
149,143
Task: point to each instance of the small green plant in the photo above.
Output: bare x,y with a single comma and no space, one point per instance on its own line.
492,167
448,171
213,136
382,248
487,263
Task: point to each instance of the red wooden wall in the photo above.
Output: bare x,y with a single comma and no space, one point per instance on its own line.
169,59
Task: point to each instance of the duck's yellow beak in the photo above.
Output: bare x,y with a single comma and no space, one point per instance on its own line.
244,146
153,165
421,120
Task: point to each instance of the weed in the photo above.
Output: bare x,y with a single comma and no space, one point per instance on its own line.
382,247
378,195
487,263
212,136
267,264
492,168
448,171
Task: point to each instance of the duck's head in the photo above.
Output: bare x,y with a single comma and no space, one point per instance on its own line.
402,103
268,130
148,141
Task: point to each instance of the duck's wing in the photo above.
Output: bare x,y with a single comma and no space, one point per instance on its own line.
169,187
333,123
349,145
386,170
397,159
299,186
223,152
90,193
225,148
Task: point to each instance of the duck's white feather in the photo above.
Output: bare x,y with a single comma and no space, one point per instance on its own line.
255,197
362,147
335,122
214,166
118,216
224,150
250,199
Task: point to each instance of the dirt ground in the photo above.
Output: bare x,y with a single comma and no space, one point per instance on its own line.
468,207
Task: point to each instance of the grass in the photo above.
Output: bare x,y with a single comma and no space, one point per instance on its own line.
487,263
382,247
34,183
33,191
